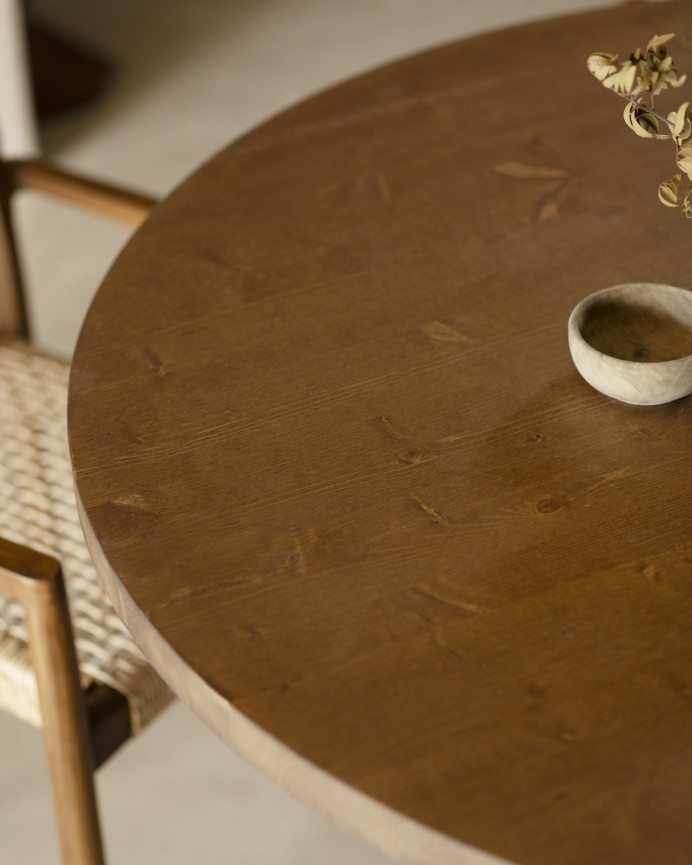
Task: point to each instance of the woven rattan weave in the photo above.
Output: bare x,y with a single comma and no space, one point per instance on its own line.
37,508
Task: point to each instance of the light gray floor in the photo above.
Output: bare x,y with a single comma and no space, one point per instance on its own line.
192,75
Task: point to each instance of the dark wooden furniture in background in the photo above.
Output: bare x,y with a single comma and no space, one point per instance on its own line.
66,75
347,489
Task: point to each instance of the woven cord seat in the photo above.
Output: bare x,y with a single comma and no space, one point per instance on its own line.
37,509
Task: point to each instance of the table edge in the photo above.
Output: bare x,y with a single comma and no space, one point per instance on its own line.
402,838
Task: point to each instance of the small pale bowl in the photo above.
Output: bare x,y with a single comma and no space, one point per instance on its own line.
633,342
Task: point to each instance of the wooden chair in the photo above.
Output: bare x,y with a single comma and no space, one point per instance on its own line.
67,665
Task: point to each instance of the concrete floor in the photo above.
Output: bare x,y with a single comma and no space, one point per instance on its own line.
190,77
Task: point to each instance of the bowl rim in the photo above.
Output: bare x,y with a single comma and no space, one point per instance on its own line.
576,318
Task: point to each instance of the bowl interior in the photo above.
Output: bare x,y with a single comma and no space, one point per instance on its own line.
648,324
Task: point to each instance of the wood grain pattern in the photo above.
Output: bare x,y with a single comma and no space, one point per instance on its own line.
347,489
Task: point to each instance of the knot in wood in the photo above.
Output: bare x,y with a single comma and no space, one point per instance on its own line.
548,505
412,456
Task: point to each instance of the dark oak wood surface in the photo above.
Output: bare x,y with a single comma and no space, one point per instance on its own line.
347,488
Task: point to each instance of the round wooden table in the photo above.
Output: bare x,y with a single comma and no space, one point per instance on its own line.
347,489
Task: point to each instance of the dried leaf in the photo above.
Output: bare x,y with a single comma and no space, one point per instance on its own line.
684,159
686,205
641,121
658,69
669,192
678,118
687,130
623,80
657,41
653,71
601,65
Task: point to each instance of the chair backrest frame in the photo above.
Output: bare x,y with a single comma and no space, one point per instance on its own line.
13,310
126,205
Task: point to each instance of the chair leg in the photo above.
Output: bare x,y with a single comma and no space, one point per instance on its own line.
62,703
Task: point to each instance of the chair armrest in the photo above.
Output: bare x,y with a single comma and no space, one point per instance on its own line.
123,204
21,568
21,571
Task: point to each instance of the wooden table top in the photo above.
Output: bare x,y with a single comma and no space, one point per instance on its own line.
347,489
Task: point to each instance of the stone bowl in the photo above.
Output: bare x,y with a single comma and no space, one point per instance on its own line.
633,342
